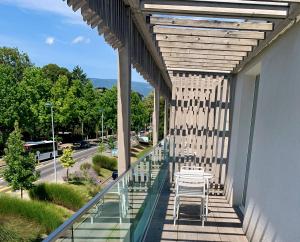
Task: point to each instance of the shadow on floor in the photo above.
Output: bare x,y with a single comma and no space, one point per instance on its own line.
223,224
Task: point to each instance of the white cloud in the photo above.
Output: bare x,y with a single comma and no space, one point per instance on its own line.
57,7
81,39
50,40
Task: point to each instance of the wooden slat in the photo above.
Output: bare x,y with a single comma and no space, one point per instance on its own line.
206,40
197,70
210,8
201,56
280,29
204,60
202,52
184,63
199,65
196,23
204,46
212,67
211,33
279,1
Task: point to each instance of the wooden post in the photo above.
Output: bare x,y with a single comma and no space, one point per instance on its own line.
166,117
155,119
124,90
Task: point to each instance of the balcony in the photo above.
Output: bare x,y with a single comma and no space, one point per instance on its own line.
138,207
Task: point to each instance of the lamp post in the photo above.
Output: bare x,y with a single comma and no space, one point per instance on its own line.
101,110
53,139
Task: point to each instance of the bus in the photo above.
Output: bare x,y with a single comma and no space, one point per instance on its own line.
42,150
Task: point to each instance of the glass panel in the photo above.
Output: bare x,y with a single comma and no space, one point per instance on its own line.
123,212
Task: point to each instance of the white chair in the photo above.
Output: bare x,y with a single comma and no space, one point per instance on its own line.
198,172
191,168
188,185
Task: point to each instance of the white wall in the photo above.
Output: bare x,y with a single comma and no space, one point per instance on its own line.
272,211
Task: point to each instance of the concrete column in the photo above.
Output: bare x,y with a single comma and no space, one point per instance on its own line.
124,90
155,119
166,117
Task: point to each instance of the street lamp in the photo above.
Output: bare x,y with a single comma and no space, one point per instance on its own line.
53,138
101,110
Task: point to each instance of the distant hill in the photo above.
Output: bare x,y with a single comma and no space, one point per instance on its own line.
143,88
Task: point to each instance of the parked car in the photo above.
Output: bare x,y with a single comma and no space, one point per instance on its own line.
81,145
84,144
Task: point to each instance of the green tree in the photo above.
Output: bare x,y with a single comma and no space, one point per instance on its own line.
101,148
20,166
78,74
139,113
108,101
14,58
53,72
34,92
67,160
9,101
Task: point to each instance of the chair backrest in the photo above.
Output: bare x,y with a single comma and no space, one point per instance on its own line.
196,172
191,168
190,185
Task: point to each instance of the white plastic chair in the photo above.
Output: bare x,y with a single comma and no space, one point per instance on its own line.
187,185
191,168
196,171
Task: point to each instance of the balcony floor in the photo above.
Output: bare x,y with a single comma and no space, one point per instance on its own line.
223,224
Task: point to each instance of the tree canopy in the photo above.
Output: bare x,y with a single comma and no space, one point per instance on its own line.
77,105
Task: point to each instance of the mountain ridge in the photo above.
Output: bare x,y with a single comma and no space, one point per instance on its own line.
142,88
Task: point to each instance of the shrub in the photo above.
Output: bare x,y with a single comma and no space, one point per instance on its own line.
59,194
101,161
47,215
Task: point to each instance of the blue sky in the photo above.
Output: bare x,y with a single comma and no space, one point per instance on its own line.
50,32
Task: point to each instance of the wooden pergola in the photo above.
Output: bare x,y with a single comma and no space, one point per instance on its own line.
216,36
208,41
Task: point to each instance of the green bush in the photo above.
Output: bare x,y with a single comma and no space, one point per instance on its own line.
101,161
59,194
47,215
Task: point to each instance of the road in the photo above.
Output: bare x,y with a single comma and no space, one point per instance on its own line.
46,168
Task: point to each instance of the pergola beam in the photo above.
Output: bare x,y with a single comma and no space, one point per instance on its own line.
183,63
201,56
217,9
196,23
184,45
204,60
280,29
196,69
210,33
277,1
205,40
202,52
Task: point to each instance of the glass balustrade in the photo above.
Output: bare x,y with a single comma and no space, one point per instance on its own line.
122,211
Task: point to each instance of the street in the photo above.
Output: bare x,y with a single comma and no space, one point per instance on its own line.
46,168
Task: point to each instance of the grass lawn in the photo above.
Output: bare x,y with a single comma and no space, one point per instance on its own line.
23,220
143,152
105,173
15,228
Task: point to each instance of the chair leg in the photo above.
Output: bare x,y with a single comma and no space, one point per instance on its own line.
202,211
174,210
206,208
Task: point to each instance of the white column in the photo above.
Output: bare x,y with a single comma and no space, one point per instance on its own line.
166,115
155,119
124,90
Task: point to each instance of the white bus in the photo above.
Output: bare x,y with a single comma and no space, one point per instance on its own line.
42,150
